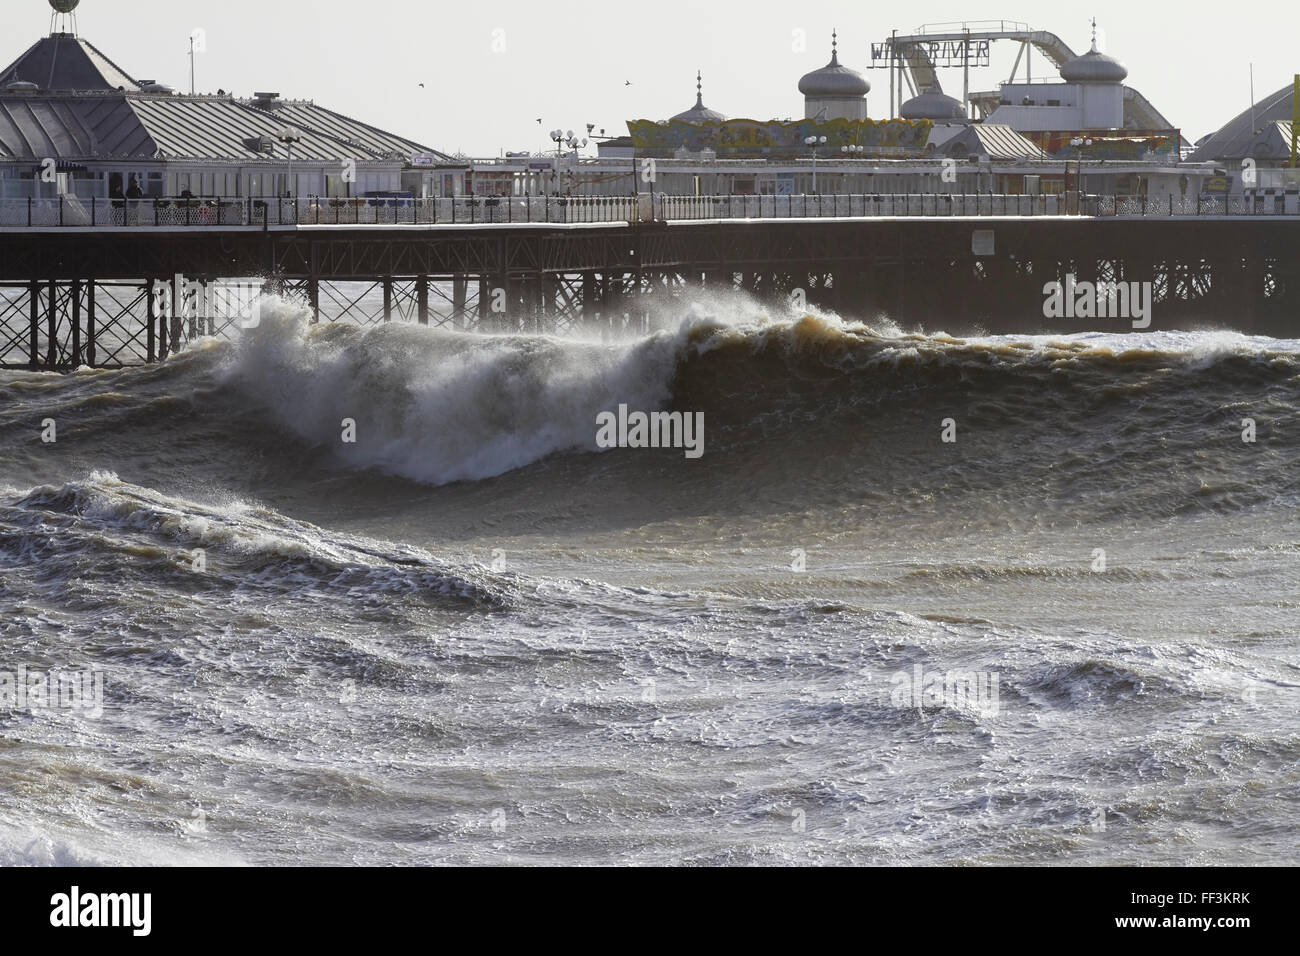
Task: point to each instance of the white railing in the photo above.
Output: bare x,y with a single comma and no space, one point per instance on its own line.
856,206
491,210
1204,206
974,26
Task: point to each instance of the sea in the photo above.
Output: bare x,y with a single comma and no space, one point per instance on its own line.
332,594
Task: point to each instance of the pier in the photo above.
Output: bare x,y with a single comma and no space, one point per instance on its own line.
93,285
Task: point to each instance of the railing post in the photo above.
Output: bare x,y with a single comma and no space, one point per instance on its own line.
151,331
52,329
34,320
92,211
76,324
155,212
91,356
29,212
60,210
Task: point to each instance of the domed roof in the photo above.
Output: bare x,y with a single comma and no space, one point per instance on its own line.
1235,138
699,113
833,79
1094,67
932,105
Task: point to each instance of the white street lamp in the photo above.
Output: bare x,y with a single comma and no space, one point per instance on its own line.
563,138
814,142
1080,144
289,136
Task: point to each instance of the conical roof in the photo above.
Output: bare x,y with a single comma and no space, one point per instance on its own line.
65,62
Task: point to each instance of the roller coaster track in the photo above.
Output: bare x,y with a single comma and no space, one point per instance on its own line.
914,48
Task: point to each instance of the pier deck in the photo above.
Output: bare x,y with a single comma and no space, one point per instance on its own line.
61,285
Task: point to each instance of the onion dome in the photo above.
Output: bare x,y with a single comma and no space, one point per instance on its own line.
699,113
1094,66
932,105
833,79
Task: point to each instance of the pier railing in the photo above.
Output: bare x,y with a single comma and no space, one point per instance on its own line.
117,214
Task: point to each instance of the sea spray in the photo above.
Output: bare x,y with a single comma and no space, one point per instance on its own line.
441,406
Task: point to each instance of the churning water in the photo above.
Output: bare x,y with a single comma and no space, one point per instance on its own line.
1069,634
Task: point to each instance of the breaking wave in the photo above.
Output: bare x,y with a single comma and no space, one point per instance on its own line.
865,402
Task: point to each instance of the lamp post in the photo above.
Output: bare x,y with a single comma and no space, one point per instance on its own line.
852,151
557,137
814,142
562,139
289,136
1080,144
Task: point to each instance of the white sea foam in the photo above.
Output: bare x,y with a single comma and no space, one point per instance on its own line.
443,406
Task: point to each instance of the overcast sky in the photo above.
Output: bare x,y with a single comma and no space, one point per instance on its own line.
490,69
